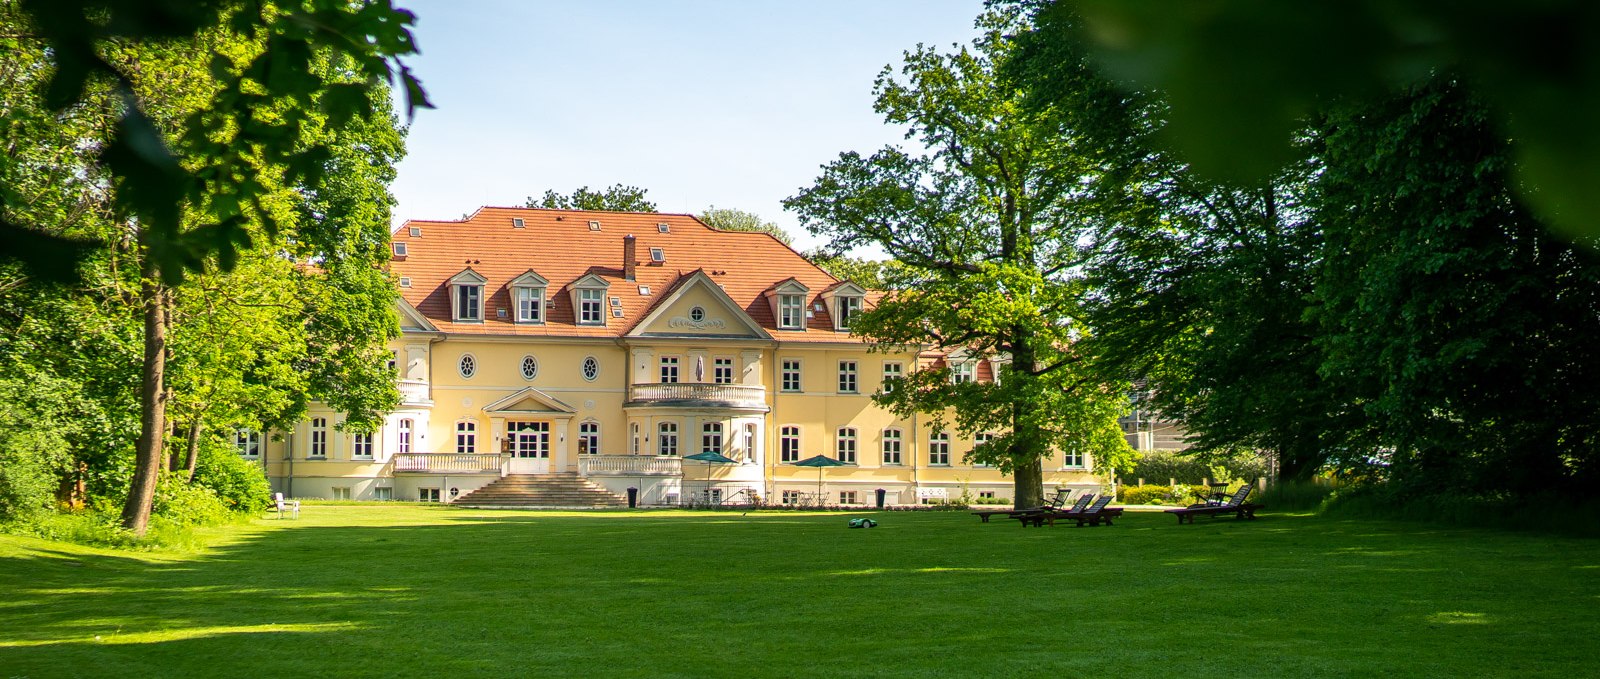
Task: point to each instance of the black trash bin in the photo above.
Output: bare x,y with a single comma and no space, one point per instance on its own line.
881,495
633,498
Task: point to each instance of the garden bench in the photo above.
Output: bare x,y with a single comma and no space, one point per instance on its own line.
1093,515
1055,505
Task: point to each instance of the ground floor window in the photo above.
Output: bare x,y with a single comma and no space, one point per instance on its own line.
383,493
847,497
341,493
791,497
428,494
248,442
986,494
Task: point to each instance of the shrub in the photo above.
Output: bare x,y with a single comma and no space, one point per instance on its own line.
187,504
1161,495
34,413
238,484
1295,495
1160,466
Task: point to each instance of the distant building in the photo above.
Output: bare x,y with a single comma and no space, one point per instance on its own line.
556,357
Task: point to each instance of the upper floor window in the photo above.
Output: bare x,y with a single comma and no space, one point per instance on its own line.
789,444
1073,458
963,372
790,375
750,440
892,372
722,370
791,312
590,368
589,438
669,369
468,365
667,438
845,446
319,437
847,377
711,437
939,448
466,437
529,367
248,442
466,298
530,305
633,439
591,307
891,446
361,447
846,310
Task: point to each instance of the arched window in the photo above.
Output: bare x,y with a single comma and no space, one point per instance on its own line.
403,444
633,439
466,437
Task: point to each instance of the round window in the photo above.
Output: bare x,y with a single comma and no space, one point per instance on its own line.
468,366
591,368
530,367
697,314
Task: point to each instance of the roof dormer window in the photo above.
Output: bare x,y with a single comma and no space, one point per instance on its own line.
527,292
844,300
466,297
589,300
788,300
846,309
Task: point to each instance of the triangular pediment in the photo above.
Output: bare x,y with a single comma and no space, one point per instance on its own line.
529,280
717,316
413,320
468,277
529,400
846,289
788,286
591,281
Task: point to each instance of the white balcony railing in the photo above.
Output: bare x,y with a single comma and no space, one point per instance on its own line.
629,465
752,396
448,463
413,391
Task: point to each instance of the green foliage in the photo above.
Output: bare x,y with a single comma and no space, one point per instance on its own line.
1160,466
988,223
1296,495
867,273
1180,495
730,219
188,504
35,421
615,198
199,192
1243,75
238,484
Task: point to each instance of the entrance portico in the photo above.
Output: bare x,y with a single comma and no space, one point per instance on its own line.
532,427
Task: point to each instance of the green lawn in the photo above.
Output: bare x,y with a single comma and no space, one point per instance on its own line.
401,590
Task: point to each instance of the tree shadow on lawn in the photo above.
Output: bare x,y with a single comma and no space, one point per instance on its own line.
695,594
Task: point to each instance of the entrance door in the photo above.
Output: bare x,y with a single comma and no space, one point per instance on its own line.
530,447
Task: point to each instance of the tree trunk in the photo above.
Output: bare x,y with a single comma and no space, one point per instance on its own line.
191,458
1028,482
149,451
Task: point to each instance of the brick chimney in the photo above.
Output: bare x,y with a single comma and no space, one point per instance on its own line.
628,252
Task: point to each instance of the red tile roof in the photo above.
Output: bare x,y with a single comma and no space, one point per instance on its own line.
559,245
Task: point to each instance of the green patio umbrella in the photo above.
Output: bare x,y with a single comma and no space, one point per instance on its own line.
710,457
819,461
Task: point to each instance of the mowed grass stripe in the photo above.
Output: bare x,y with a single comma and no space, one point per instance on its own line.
386,590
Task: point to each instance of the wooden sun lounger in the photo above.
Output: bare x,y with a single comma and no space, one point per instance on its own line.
1055,505
1235,505
1093,515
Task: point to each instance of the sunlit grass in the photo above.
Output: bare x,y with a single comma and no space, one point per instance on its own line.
405,590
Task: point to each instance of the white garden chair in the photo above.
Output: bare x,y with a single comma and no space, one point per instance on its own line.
291,506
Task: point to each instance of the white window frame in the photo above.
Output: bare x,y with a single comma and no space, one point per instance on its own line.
1074,459
524,363
892,370
467,366
589,437
963,372
591,306
711,437
669,369
791,312
791,367
667,439
530,304
979,439
939,449
406,430
362,446
633,438
466,437
845,445
466,302
722,370
583,368
789,444
849,497
248,443
849,377
429,495
845,308
318,450
893,447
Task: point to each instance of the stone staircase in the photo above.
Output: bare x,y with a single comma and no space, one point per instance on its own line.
543,491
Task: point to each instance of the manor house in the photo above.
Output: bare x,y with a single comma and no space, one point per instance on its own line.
562,357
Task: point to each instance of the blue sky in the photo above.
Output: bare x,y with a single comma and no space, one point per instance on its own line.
733,104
